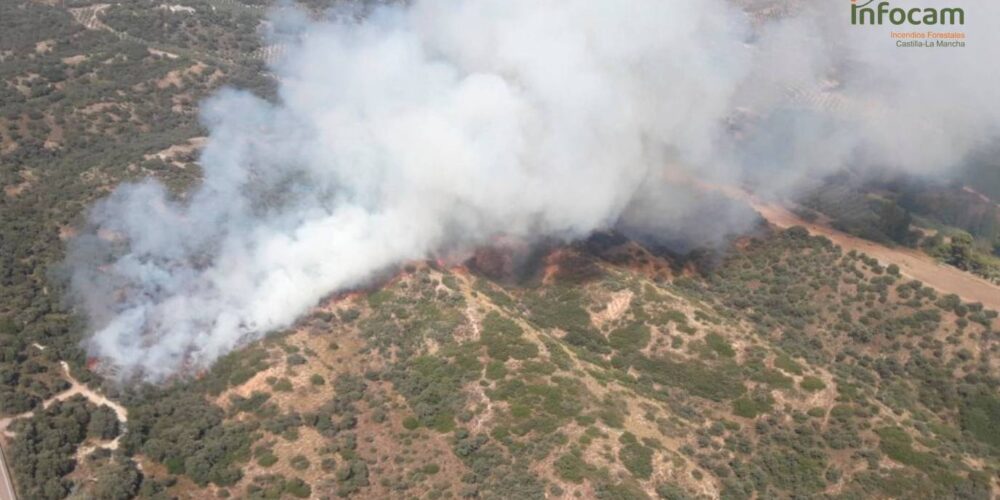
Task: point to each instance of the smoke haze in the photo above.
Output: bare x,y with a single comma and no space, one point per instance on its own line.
438,126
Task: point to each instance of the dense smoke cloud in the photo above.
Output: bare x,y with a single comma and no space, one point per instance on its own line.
438,126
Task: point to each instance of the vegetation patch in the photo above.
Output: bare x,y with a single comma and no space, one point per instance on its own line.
748,407
504,339
720,345
812,384
633,337
636,457
717,383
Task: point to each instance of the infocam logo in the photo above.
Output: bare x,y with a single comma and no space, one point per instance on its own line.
883,12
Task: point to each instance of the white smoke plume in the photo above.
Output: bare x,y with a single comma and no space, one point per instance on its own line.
440,125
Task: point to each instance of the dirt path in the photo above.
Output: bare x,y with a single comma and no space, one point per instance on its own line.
76,388
94,397
6,485
912,263
90,18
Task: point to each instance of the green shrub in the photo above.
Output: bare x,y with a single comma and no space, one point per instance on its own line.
300,462
633,337
786,363
411,423
673,315
496,370
897,445
504,339
560,308
751,407
799,473
812,384
571,468
720,345
717,383
637,458
773,378
980,416
671,492
377,299
298,488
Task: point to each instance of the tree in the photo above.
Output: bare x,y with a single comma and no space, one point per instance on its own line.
118,480
960,255
895,223
103,423
42,452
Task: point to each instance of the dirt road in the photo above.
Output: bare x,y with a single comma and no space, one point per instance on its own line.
6,486
96,398
912,263
76,388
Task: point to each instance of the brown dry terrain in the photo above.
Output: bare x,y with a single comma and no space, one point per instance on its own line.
600,378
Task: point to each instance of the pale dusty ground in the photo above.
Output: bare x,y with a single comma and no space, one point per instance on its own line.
616,307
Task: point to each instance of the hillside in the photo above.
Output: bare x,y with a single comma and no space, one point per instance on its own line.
785,368
794,361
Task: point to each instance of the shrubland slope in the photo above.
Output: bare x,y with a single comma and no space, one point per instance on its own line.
783,367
